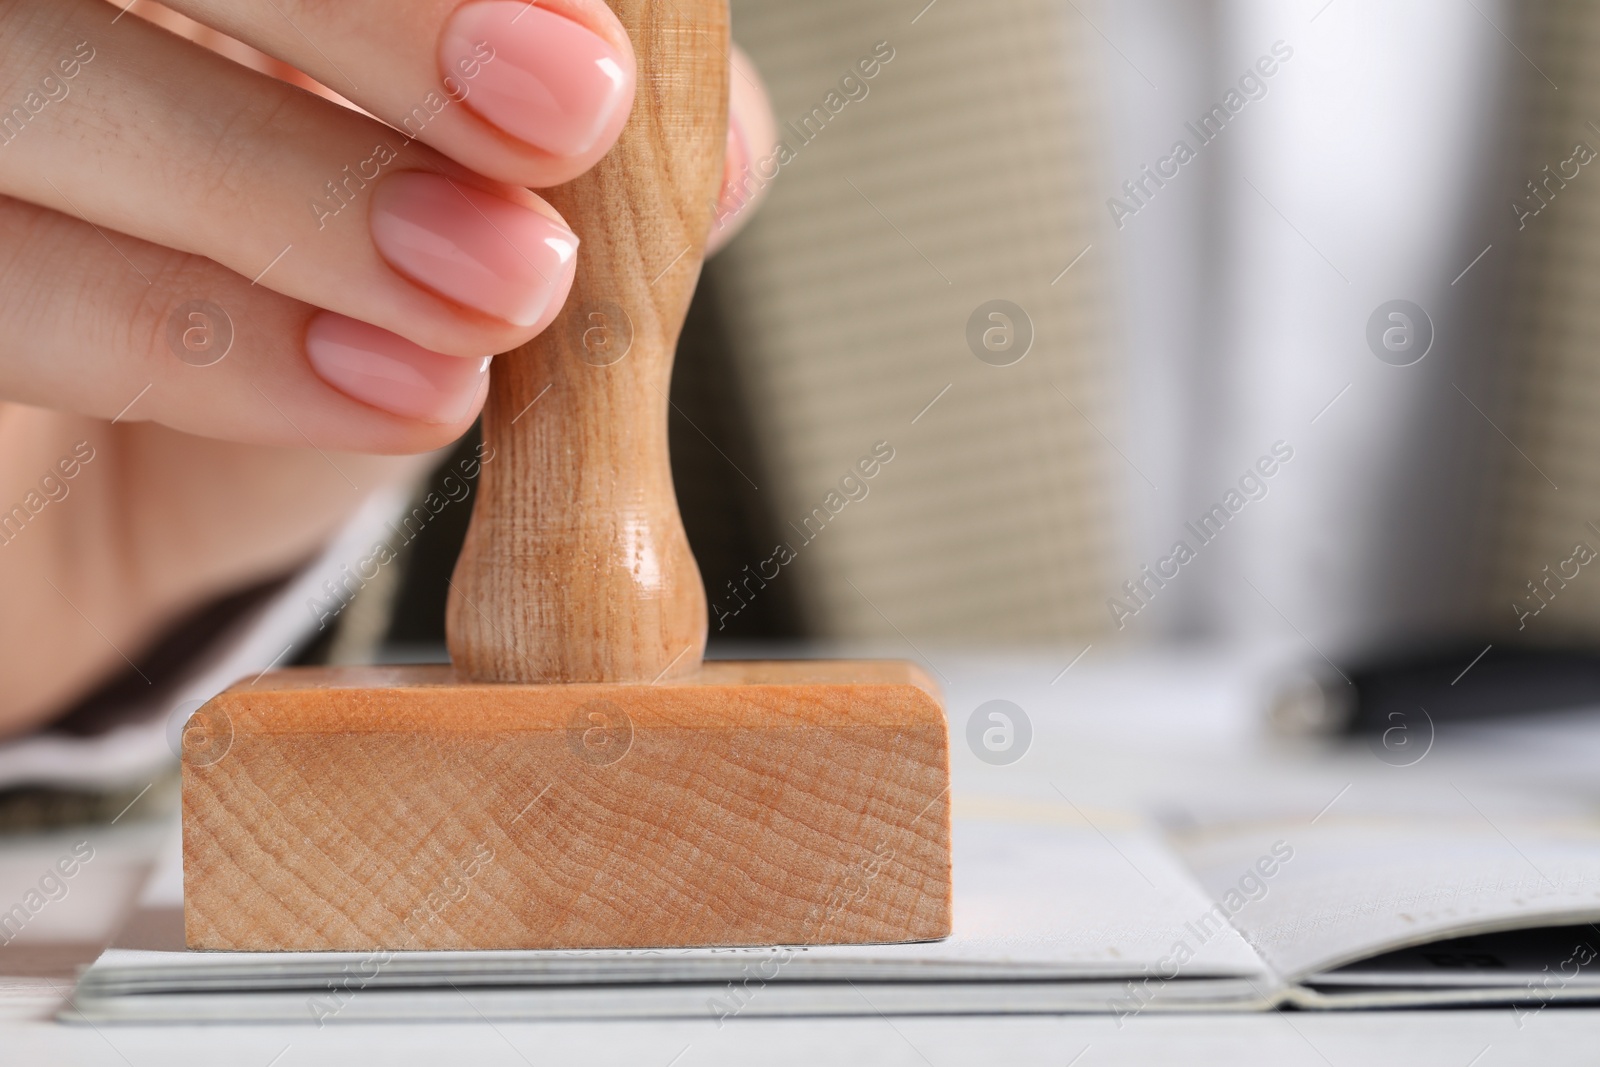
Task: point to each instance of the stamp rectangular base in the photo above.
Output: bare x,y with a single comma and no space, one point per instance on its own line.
761,803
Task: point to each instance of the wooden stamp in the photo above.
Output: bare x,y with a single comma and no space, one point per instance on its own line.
578,778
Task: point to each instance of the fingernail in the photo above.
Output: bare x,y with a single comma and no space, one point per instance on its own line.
379,368
541,77
476,248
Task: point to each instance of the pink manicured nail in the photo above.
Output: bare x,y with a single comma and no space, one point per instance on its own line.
379,368
473,247
540,77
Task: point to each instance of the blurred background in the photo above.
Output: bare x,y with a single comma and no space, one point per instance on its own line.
1085,267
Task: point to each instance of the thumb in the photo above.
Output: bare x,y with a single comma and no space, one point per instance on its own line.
750,163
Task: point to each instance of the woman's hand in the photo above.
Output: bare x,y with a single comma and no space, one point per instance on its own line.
154,195
189,242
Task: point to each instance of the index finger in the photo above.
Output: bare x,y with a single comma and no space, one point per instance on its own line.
528,93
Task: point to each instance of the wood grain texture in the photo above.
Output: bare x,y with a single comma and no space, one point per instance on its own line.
405,808
538,793
576,566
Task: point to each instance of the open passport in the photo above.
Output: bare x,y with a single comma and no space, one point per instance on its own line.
1056,910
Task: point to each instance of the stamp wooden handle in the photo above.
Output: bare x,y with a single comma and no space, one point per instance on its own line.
576,567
